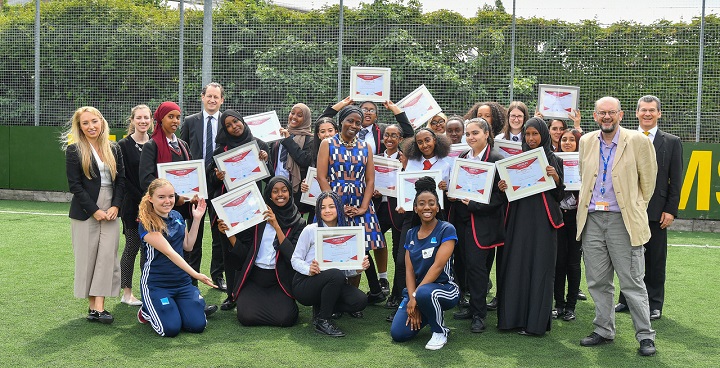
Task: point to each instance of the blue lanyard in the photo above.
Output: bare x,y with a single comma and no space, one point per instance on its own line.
606,162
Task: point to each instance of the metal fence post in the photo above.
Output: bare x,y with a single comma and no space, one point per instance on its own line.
512,58
181,48
340,45
37,62
700,74
207,43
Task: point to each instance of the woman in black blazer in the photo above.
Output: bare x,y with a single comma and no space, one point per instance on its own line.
96,178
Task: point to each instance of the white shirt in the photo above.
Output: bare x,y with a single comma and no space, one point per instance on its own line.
215,116
369,138
479,157
105,176
305,252
652,131
393,156
267,253
510,138
443,164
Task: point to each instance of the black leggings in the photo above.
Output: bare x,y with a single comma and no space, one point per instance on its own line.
328,292
127,261
567,264
262,301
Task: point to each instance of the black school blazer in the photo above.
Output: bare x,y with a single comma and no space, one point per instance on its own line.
86,191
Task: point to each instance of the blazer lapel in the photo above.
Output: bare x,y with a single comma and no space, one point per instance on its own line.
659,140
620,147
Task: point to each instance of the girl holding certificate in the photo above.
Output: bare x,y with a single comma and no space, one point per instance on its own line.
170,302
482,225
96,178
131,147
526,269
517,116
569,251
292,155
427,151
324,128
345,166
234,132
494,113
430,286
328,291
455,129
260,257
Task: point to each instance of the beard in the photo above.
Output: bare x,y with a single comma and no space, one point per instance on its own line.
609,129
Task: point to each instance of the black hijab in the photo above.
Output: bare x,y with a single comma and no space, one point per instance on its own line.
224,138
287,215
545,141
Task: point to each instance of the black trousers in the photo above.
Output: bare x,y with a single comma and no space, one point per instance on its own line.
655,262
217,262
385,219
399,256
328,292
262,301
478,275
459,257
567,263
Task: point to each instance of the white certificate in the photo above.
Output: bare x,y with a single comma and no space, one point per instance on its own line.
406,186
556,102
265,126
525,174
241,165
370,84
240,208
571,169
472,179
310,197
340,247
187,177
508,148
419,106
457,149
386,170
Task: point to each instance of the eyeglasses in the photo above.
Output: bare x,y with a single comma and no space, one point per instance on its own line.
437,122
516,117
372,111
610,113
393,135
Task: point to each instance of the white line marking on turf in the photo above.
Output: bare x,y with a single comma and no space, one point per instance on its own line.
33,213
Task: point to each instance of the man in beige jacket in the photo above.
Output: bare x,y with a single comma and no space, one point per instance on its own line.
618,170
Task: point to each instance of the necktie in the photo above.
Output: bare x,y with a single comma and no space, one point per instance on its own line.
284,154
175,145
515,138
427,165
362,134
647,134
209,147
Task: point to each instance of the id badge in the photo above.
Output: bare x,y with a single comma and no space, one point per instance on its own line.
602,206
427,253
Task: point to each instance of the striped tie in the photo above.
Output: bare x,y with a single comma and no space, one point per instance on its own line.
209,146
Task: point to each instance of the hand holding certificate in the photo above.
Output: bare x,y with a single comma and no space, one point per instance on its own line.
508,148
525,174
265,126
457,149
386,170
556,102
188,177
240,208
310,197
471,179
340,247
406,187
571,169
419,106
370,84
241,165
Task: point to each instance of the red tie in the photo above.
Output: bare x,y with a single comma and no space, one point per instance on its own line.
427,165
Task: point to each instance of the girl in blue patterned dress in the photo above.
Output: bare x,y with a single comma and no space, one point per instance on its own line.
345,166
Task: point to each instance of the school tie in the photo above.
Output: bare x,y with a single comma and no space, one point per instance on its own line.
427,165
208,142
362,134
515,138
175,145
647,134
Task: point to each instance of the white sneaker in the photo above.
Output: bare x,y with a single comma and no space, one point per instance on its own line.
133,302
437,341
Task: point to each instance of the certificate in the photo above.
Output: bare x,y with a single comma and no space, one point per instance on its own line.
340,247
187,177
386,170
419,106
310,197
525,174
265,126
571,169
369,84
241,165
457,149
556,102
472,179
508,148
406,186
240,208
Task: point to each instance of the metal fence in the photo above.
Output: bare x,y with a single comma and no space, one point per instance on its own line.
266,67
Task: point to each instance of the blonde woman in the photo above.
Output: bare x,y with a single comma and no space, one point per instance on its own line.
96,177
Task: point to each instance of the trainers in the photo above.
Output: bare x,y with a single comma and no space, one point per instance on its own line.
140,317
581,295
392,303
375,298
93,315
568,315
437,341
594,339
647,347
477,325
327,327
385,286
105,317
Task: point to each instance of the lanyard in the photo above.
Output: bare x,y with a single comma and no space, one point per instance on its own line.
606,162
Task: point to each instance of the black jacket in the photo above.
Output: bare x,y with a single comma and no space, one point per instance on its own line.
86,191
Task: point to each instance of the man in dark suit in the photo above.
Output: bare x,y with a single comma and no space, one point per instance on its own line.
663,206
199,131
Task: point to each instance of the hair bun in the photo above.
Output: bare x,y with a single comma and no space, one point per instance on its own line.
426,183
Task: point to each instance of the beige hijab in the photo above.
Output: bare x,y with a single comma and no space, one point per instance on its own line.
300,135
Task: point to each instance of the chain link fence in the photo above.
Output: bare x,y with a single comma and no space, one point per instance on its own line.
115,66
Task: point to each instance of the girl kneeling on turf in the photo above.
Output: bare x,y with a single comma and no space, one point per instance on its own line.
430,286
170,301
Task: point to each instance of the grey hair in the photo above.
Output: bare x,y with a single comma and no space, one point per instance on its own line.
649,98
608,98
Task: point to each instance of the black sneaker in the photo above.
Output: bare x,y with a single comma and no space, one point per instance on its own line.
568,315
477,325
325,326
210,309
376,298
647,347
105,317
93,315
392,303
493,305
358,314
385,286
581,295
227,304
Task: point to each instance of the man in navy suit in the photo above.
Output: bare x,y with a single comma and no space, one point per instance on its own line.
199,131
663,206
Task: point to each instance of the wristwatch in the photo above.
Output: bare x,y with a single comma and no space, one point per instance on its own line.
413,294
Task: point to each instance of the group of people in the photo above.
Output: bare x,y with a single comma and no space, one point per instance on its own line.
442,254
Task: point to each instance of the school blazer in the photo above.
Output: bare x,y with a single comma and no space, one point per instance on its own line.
633,176
86,191
246,249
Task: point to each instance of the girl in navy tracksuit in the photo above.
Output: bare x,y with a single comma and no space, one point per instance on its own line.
429,277
170,301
